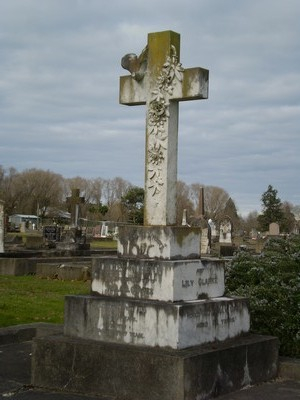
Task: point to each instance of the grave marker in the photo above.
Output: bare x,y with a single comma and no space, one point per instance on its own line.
73,203
159,81
157,304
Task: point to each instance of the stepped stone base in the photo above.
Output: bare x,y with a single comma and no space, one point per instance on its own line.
152,323
164,280
161,242
143,373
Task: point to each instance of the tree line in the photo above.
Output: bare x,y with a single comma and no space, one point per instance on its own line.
43,193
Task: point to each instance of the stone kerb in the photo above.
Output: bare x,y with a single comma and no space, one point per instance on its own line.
172,280
149,323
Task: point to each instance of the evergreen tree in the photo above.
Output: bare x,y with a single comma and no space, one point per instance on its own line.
271,209
133,201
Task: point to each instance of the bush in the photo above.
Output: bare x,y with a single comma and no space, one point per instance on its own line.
271,281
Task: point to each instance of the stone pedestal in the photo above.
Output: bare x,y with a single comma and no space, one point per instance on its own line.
164,280
155,327
159,242
156,324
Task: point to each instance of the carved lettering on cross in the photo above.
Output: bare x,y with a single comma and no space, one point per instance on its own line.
158,80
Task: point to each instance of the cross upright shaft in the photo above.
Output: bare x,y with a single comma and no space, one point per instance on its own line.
159,81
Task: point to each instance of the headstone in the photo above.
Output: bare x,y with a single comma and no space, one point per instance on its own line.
184,218
141,332
205,240
1,226
52,233
225,231
253,234
274,229
104,231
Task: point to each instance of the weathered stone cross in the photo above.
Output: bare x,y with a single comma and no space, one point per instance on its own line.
158,80
73,203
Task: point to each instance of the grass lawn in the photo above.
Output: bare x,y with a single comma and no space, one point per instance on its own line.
27,299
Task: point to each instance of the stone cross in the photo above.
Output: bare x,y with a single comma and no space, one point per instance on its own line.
73,203
158,80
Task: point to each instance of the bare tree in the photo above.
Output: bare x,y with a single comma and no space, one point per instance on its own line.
215,199
38,189
114,189
184,201
8,190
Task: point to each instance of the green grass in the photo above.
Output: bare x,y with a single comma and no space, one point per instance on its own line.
104,244
27,299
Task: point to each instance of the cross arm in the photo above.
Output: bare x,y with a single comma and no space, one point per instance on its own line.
194,85
132,92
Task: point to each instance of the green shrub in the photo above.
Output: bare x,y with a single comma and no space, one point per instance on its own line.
271,281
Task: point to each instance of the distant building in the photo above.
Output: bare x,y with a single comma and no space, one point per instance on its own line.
16,220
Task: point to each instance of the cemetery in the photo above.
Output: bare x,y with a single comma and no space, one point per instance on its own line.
158,322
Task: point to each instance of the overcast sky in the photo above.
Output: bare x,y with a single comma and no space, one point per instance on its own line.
59,84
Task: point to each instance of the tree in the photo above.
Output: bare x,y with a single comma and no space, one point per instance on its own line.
183,201
271,282
250,222
215,200
9,193
288,222
231,212
271,209
133,202
30,190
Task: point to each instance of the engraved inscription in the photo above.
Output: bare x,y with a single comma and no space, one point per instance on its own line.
228,320
187,283
208,281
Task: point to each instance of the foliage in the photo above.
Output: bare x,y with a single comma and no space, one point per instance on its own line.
272,283
133,202
98,209
271,209
288,222
27,299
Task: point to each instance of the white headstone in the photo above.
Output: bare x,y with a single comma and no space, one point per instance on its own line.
225,231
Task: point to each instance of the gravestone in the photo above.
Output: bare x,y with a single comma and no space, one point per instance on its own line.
205,239
1,226
225,238
274,229
225,231
52,233
157,324
74,202
72,241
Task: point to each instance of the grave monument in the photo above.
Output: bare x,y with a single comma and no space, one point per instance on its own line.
72,241
156,324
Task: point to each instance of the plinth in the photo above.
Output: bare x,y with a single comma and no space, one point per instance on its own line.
155,327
